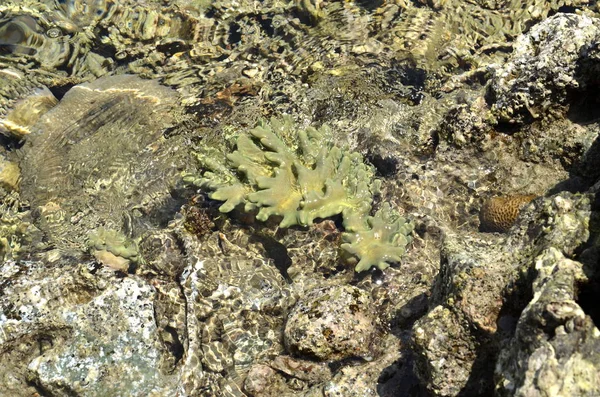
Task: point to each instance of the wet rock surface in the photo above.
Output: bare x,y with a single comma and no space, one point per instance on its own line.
331,324
547,66
118,277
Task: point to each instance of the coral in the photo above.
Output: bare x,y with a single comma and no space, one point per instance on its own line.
384,242
100,156
302,178
113,249
499,213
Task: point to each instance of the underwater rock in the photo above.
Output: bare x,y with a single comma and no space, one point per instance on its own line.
234,304
331,323
115,335
101,158
484,285
455,340
555,347
445,352
90,39
9,174
363,380
25,112
22,36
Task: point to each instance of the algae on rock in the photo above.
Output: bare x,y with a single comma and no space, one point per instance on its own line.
300,175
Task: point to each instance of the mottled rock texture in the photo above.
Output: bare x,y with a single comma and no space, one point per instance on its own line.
555,347
331,324
548,66
117,278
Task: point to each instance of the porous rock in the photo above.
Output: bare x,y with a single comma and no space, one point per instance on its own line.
555,347
331,323
234,300
544,69
113,347
455,340
360,380
484,285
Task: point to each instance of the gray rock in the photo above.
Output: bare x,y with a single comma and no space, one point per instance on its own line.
544,69
112,350
456,340
483,286
555,348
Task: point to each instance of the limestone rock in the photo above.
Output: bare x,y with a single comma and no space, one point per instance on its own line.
544,69
331,324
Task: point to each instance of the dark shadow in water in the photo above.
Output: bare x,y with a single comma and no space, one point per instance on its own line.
400,379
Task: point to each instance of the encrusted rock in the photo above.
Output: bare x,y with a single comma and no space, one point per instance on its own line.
456,339
113,347
484,284
555,347
544,69
332,323
234,299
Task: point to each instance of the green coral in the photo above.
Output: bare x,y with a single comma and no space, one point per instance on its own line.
385,241
300,176
114,242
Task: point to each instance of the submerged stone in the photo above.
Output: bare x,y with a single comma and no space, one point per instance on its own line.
100,157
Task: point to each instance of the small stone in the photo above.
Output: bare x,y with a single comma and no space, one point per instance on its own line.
111,260
258,379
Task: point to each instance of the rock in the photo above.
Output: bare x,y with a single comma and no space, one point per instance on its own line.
456,339
544,69
9,175
445,352
258,380
112,349
483,286
82,330
234,304
555,347
331,323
